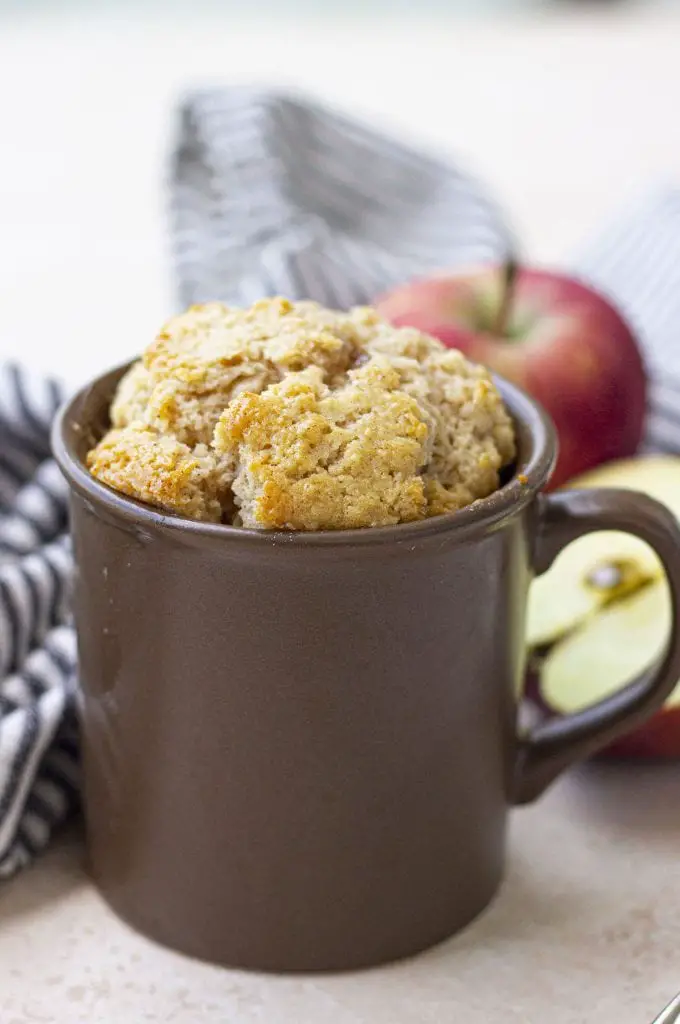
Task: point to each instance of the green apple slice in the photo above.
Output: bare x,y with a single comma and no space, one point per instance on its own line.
655,475
608,651
592,572
602,567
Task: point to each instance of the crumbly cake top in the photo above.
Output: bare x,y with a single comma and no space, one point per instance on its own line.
292,416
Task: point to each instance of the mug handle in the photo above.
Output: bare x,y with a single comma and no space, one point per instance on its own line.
546,750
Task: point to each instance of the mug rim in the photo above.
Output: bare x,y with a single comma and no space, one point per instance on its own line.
531,474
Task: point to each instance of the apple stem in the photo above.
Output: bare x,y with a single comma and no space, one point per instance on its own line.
509,271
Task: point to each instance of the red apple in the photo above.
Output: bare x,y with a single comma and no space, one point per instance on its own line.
559,340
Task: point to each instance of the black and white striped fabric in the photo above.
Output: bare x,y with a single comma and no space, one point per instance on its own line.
269,195
272,195
38,747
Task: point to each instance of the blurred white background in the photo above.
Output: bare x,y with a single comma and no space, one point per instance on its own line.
565,109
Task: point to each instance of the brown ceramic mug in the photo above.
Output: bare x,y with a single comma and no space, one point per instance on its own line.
300,749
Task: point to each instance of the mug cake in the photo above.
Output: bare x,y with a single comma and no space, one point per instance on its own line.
291,416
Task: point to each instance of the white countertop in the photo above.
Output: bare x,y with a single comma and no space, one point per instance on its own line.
565,119
585,931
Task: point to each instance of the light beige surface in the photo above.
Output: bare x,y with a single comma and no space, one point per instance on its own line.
566,119
585,931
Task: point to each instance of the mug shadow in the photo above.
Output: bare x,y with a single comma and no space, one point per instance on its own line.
51,878
620,802
522,909
635,801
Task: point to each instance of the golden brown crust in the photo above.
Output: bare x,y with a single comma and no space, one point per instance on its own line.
473,437
280,373
159,470
310,458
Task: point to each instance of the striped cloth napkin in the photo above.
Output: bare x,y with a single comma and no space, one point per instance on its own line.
269,195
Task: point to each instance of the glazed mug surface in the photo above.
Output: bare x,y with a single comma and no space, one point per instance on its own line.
300,748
